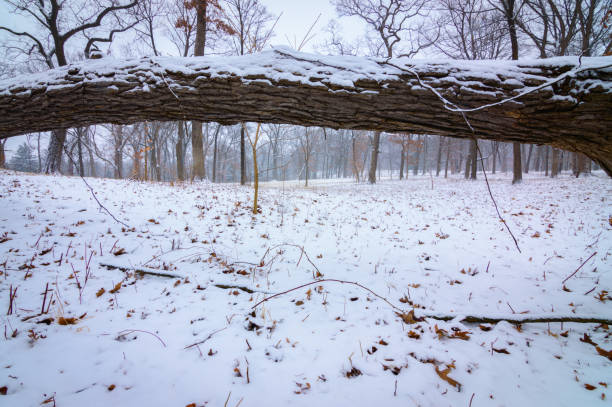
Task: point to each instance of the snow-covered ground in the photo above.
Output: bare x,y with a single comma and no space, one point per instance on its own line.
126,339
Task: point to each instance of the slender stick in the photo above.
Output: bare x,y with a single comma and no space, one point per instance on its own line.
583,263
205,339
129,331
331,280
93,193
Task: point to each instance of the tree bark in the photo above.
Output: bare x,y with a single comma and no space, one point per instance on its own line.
517,174
402,158
53,162
214,169
197,150
528,162
374,158
180,153
2,154
79,133
572,114
474,158
243,178
439,158
555,163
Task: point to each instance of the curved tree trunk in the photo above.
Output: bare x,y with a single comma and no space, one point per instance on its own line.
283,86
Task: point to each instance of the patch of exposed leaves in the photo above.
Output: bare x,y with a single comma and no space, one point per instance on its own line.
456,333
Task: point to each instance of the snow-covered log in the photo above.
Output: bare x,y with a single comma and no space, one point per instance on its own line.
562,102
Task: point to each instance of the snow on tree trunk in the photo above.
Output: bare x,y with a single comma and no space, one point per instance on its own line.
284,86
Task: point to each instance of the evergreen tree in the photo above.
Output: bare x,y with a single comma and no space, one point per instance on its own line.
23,160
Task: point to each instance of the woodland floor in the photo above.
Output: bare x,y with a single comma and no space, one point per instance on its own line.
124,339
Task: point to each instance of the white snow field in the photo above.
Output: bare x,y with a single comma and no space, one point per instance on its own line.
113,337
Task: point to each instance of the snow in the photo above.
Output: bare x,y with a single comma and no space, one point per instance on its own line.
284,64
441,249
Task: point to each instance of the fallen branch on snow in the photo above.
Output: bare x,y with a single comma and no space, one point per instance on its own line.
142,271
410,315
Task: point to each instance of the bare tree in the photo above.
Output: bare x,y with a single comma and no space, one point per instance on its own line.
393,21
56,23
208,14
249,22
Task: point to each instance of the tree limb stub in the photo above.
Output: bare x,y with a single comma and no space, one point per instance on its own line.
285,86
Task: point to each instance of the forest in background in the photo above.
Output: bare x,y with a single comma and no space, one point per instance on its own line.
64,32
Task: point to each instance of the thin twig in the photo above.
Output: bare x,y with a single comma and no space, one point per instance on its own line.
331,280
205,339
303,253
484,172
450,106
129,331
93,193
583,263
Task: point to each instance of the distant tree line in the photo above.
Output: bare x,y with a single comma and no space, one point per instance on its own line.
462,29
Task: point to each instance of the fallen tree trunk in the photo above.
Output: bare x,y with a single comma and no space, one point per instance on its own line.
521,319
284,86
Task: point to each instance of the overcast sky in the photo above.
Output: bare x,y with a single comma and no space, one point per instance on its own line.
298,16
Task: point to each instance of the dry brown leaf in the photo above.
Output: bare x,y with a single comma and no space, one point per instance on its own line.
119,251
589,386
408,317
67,321
604,353
116,288
444,376
100,292
354,372
111,387
587,339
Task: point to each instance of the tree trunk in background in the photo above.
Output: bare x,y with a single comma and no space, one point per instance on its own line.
554,171
374,158
546,152
197,146
474,158
243,177
38,152
494,163
403,157
448,149
439,159
579,161
53,162
425,151
468,161
510,15
180,153
70,164
354,149
517,174
538,159
528,159
118,151
197,150
214,170
415,170
80,151
2,155
92,162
